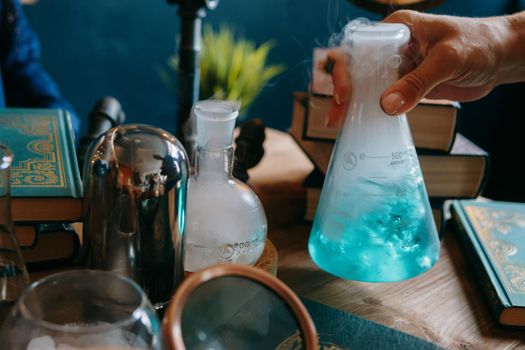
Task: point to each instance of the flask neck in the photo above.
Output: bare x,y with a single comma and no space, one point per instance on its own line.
214,162
374,60
371,77
373,69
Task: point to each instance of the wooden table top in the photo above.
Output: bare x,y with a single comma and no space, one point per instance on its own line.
444,305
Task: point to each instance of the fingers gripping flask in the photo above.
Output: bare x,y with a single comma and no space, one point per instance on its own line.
374,222
225,221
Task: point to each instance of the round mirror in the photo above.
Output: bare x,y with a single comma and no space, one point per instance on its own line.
237,307
388,6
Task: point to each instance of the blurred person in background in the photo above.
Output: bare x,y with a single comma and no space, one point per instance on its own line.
25,83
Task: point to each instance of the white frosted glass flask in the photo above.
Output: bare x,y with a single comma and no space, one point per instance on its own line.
225,221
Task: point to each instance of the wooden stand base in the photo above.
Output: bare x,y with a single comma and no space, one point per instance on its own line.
267,262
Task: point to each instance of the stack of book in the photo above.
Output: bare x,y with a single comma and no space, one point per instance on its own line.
46,188
453,167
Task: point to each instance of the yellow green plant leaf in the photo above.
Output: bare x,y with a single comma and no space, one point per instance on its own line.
231,67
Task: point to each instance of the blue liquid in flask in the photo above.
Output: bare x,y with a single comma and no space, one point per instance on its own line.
388,236
374,222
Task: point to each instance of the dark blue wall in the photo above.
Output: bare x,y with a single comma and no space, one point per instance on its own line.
112,47
108,47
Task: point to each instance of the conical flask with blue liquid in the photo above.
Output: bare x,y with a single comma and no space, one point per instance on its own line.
374,221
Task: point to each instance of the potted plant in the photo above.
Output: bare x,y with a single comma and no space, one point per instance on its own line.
231,67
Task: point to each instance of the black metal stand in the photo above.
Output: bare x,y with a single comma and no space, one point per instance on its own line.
191,13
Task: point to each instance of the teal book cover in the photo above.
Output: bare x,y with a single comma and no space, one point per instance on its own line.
45,164
337,329
493,233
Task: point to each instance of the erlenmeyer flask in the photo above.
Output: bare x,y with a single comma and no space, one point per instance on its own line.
13,273
374,222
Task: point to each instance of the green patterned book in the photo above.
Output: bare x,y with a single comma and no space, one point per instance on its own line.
45,179
492,234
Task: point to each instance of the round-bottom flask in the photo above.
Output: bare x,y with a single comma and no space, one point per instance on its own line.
225,221
374,221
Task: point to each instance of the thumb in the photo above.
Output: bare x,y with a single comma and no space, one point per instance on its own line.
406,93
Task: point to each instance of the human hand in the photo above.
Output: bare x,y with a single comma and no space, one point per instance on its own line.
342,88
454,58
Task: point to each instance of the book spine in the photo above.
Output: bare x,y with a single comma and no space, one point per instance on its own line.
454,134
488,281
51,228
72,172
26,234
486,174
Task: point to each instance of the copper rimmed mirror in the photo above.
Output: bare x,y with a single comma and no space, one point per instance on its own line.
388,6
237,307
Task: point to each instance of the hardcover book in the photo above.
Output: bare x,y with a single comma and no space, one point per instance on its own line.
57,245
432,122
45,179
26,234
492,236
459,174
337,329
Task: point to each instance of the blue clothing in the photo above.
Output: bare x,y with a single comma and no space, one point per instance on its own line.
25,83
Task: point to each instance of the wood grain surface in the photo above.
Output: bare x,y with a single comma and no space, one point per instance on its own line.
445,305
